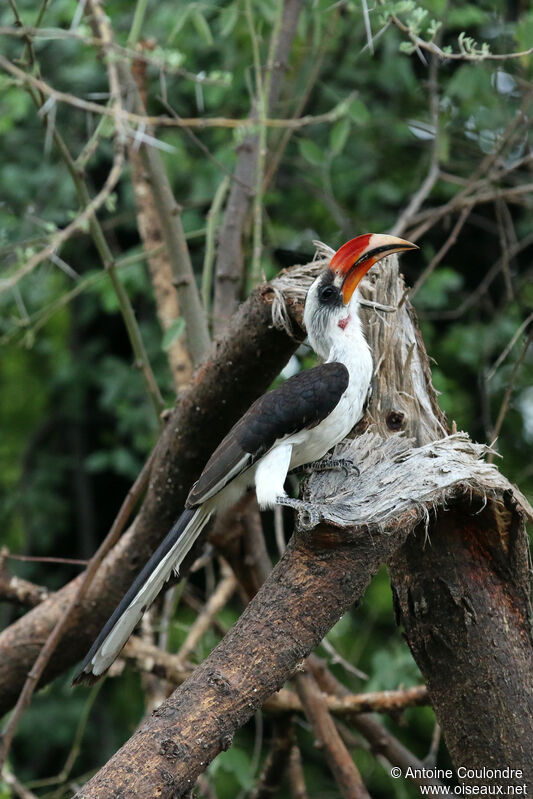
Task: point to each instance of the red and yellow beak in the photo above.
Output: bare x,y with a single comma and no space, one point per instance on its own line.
354,259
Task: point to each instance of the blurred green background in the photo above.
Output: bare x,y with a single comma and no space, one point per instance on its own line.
76,423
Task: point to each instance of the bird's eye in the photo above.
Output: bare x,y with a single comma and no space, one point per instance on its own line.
328,293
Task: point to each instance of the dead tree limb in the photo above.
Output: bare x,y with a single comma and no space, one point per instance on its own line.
321,574
287,618
151,233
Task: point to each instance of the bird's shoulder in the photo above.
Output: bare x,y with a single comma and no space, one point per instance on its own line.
300,402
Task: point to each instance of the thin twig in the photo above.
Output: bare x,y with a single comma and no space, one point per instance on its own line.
15,589
18,789
429,181
200,123
339,760
435,50
382,741
44,559
507,396
296,774
102,25
76,742
435,261
501,358
210,242
484,285
53,34
336,658
170,666
218,599
89,213
276,762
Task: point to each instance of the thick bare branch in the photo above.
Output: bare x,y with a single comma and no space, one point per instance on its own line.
286,619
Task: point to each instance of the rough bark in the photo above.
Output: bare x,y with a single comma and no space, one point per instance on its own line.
463,598
240,368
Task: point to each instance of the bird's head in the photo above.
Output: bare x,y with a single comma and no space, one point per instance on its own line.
332,301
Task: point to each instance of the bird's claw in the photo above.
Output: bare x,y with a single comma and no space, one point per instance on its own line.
330,465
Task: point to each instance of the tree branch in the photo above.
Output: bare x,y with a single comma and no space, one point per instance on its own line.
343,768
196,329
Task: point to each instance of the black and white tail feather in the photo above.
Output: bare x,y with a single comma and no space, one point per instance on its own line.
167,558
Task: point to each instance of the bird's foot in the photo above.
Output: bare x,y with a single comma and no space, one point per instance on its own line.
330,464
309,514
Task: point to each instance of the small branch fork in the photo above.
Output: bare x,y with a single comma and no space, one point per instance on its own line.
436,51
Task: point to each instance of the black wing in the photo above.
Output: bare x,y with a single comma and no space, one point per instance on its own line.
302,401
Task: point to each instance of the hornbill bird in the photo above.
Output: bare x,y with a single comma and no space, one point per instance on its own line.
289,427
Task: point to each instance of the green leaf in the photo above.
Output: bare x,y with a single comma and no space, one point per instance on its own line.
181,16
173,332
339,136
237,762
358,112
228,20
312,152
200,23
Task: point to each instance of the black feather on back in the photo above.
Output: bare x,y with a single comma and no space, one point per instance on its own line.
303,401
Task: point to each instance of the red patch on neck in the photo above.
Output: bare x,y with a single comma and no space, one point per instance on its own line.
343,322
